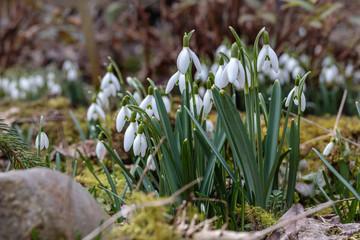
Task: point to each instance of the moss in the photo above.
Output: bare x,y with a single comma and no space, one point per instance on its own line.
333,231
257,217
146,223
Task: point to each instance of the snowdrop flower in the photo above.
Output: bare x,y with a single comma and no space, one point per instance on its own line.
39,81
67,65
140,144
167,103
94,111
209,125
267,57
149,104
349,69
123,115
222,48
329,74
125,211
72,74
208,98
110,83
198,101
179,79
183,60
102,100
137,97
130,133
204,74
150,163
295,90
234,70
201,91
328,148
214,67
298,70
219,80
100,148
43,141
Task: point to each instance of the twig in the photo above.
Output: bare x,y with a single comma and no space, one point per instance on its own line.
133,207
152,159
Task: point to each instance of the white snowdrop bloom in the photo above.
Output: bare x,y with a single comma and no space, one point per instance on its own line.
326,61
167,103
39,81
110,81
328,148
220,82
234,71
298,70
208,98
198,101
183,60
284,58
44,141
179,79
67,65
304,59
149,104
291,64
203,75
123,116
150,163
328,74
100,150
283,76
24,84
349,70
130,133
209,125
109,91
15,94
94,111
72,74
137,97
50,76
222,48
267,57
214,67
295,90
103,100
55,88
140,144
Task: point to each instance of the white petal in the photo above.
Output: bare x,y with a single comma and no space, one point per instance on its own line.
183,61
182,83
328,148
167,103
248,75
100,148
303,102
209,125
115,81
45,140
143,146
195,60
146,102
37,142
105,81
100,111
170,85
150,163
199,103
90,112
232,69
129,136
207,102
261,57
136,146
218,77
241,76
289,97
274,60
120,119
224,79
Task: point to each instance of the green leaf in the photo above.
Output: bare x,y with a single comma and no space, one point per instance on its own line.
341,179
294,162
299,3
273,127
77,124
358,107
187,167
112,185
333,7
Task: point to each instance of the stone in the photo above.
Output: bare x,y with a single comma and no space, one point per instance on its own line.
47,202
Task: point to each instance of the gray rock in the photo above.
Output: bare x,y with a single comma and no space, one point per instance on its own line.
47,201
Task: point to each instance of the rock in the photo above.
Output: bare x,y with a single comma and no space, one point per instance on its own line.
51,203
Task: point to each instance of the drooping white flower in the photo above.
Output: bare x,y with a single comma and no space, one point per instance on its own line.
204,74
178,79
130,133
94,111
267,57
328,148
137,97
100,150
295,90
102,100
150,163
72,74
186,54
140,144
110,83
123,116
209,125
234,71
149,104
44,141
208,98
219,80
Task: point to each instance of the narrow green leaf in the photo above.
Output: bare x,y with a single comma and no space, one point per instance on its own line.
77,124
294,162
187,167
112,185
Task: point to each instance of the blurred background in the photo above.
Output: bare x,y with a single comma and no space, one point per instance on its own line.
47,43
